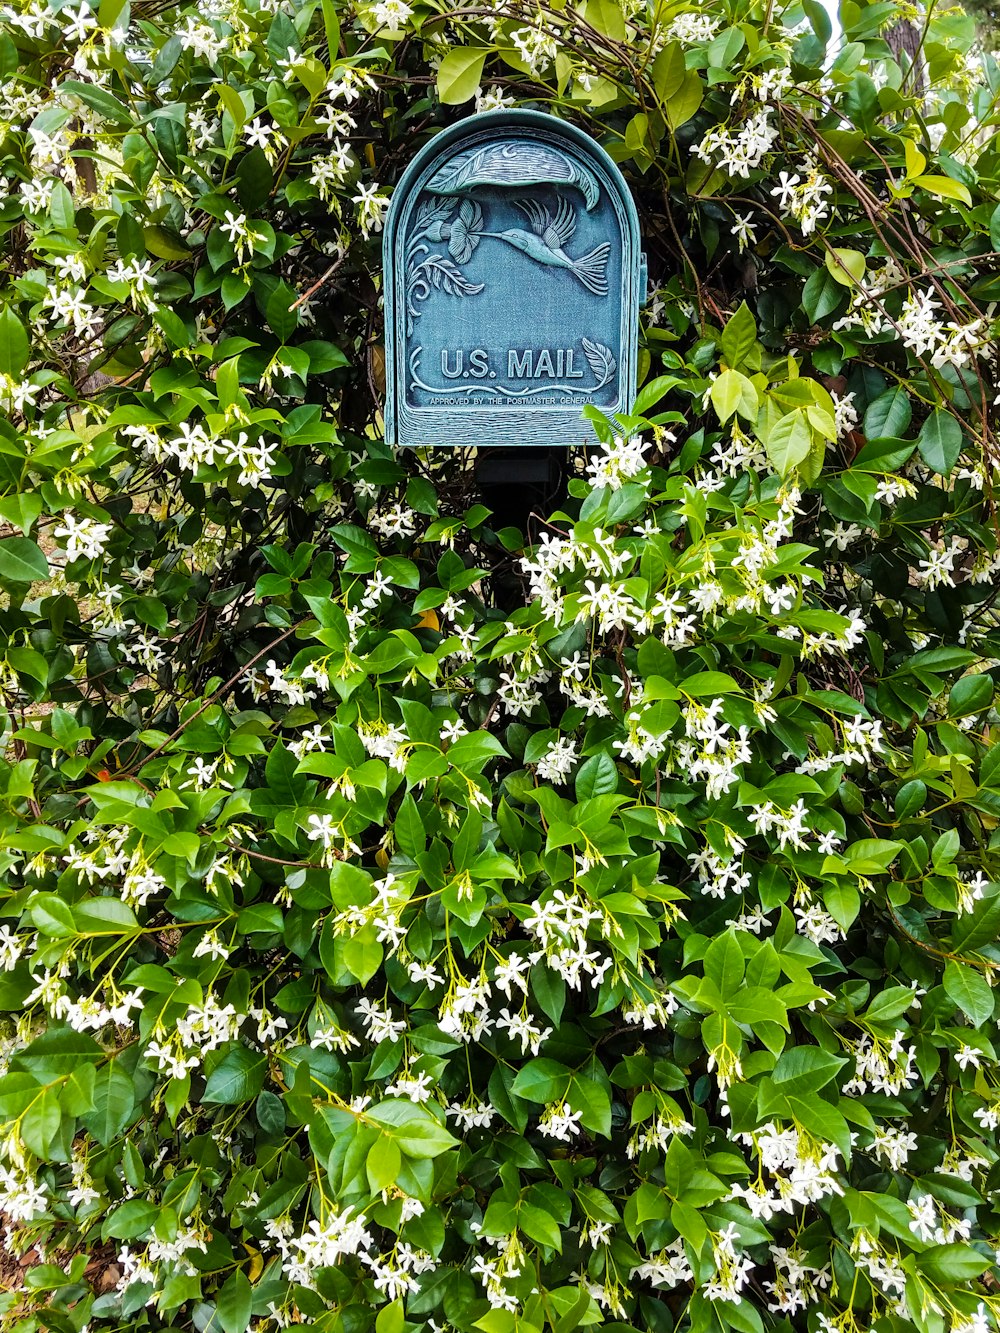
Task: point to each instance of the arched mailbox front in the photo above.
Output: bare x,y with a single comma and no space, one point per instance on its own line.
512,286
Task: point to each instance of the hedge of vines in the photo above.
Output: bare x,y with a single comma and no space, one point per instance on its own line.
408,922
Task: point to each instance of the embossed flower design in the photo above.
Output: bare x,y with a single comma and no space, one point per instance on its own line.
462,233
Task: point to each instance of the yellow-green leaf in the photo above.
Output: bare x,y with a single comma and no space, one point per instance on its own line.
846,266
915,160
669,72
682,106
789,442
459,74
945,188
732,392
607,17
232,102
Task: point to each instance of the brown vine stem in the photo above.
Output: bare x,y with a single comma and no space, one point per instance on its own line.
274,860
216,694
928,948
493,708
318,283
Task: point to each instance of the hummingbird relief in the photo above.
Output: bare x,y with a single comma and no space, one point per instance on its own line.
544,241
548,235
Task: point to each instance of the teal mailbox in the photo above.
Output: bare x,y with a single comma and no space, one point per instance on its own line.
513,279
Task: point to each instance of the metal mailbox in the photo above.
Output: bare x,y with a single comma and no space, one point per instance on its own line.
512,279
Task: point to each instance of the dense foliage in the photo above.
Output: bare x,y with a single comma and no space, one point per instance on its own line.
375,955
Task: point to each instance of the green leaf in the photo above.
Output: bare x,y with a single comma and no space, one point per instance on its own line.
353,540
822,295
982,926
165,244
952,1264
52,916
414,1128
182,844
270,1110
391,1318
173,326
542,1080
104,916
753,1005
134,1218
596,777
539,1226
14,347
280,315
669,72
804,1070
686,101
883,455
459,74
890,1005
17,1091
331,25
108,11
709,683
548,990
21,510
382,1164
114,1103
22,561
910,798
822,1120
323,356
234,1303
723,49
739,336
171,140
361,953
409,827
969,695
843,902
889,415
61,207
592,1099
940,441
98,99
58,1050
724,965
238,1077
40,1125
788,442
26,662
970,991
871,855
232,102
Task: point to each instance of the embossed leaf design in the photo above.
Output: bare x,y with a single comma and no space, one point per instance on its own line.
432,210
449,277
455,174
600,360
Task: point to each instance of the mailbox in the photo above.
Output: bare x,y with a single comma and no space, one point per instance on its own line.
513,279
